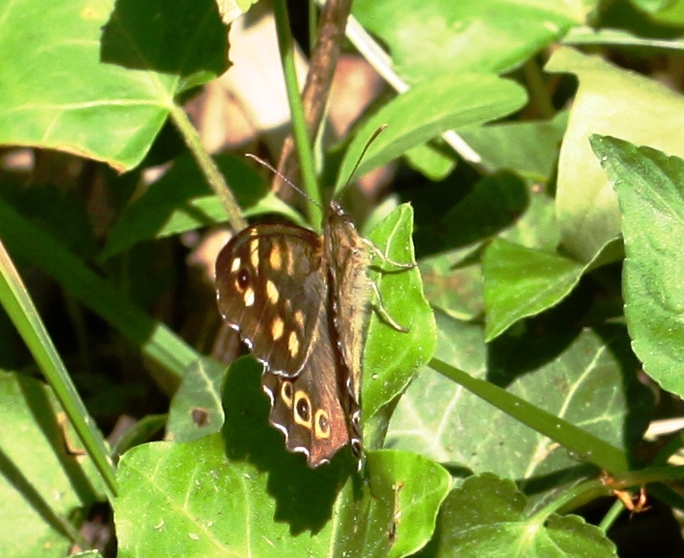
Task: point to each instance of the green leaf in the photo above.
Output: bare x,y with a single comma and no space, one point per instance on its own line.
528,148
424,112
188,499
668,12
397,515
110,90
520,282
609,101
649,185
428,38
388,372
454,285
491,206
486,516
42,482
499,205
587,399
427,417
196,409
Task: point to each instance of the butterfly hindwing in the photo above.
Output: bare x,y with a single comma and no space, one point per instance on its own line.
308,409
270,288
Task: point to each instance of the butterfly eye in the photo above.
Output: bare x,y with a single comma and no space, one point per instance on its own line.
322,424
303,409
243,278
286,393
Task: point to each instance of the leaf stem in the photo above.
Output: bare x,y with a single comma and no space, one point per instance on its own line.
208,167
579,492
613,513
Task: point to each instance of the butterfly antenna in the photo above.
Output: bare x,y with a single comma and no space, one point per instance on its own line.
282,177
363,153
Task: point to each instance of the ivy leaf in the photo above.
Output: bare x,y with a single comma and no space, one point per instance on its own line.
116,85
650,190
486,516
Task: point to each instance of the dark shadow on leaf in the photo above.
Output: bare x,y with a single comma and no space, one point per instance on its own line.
36,399
492,205
639,399
304,497
511,356
183,38
13,475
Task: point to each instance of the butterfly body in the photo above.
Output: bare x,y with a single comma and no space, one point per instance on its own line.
299,301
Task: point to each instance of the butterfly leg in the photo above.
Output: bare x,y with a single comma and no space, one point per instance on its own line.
373,248
381,309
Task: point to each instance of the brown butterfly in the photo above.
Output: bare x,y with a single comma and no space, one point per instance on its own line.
299,301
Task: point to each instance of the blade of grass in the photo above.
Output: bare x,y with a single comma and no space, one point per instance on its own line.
585,445
21,310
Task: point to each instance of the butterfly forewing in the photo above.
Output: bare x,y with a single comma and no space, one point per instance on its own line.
270,288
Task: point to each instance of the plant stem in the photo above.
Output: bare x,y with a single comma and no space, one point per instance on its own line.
208,167
581,442
613,513
578,492
299,131
538,89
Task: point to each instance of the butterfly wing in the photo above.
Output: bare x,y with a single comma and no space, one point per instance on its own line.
309,409
271,289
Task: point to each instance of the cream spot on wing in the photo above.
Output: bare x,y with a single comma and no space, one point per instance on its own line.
249,296
290,263
288,305
254,252
293,344
275,258
272,292
299,319
236,265
277,328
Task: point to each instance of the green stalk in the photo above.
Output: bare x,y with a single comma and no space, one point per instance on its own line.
591,448
299,131
611,517
24,315
540,93
208,167
584,491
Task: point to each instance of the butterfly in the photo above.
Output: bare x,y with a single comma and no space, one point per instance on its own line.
300,302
